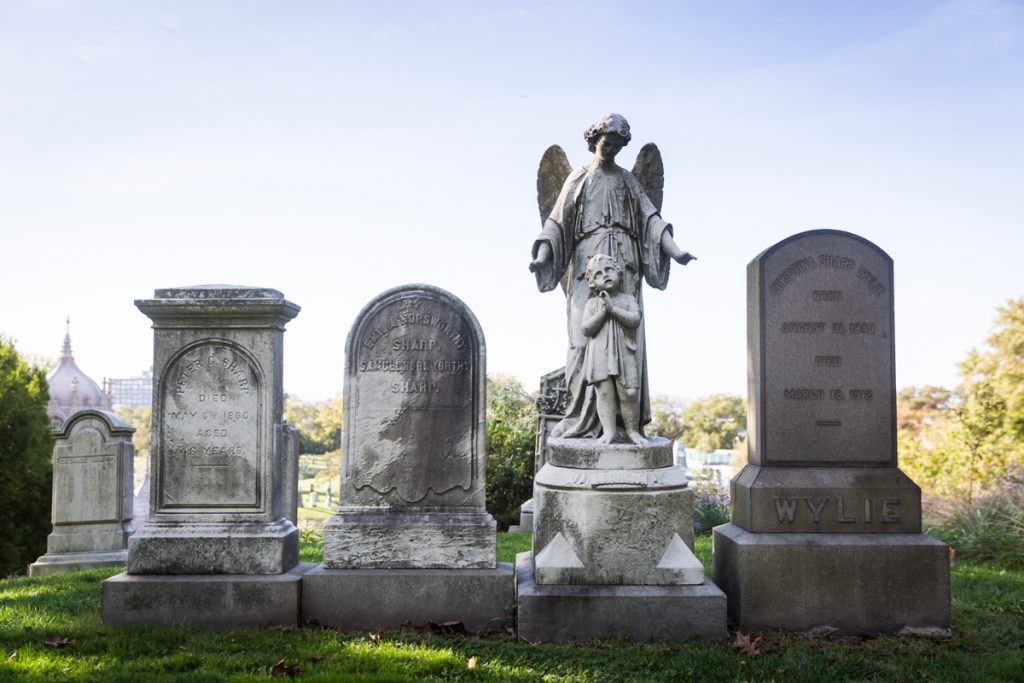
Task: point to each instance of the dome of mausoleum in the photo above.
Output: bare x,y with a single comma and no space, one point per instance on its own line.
71,390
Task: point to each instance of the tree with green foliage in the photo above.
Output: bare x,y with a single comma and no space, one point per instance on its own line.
319,424
714,422
666,418
142,419
26,446
959,444
511,440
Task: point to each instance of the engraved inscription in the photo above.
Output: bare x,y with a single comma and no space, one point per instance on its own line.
825,360
836,261
803,328
790,510
874,285
790,273
210,446
804,394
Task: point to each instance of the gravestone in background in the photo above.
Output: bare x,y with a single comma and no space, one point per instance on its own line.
412,540
220,547
550,409
92,495
826,530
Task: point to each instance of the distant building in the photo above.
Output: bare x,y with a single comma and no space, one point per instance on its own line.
132,392
71,390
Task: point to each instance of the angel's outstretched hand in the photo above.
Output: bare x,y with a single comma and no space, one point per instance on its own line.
685,258
543,256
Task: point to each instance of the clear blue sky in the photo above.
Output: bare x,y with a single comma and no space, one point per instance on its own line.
335,149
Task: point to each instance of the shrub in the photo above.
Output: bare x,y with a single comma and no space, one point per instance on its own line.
711,505
26,444
511,437
989,530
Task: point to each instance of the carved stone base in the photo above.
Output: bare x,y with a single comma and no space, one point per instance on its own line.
576,614
854,583
100,537
221,548
60,563
218,602
370,599
597,523
826,499
390,538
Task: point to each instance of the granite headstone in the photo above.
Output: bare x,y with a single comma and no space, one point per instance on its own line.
825,528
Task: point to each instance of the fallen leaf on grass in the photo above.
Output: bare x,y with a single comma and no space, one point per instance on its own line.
375,639
13,655
57,641
747,645
282,669
471,664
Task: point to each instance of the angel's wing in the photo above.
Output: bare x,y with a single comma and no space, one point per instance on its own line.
649,170
554,169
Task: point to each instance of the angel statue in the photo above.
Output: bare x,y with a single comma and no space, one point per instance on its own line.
602,208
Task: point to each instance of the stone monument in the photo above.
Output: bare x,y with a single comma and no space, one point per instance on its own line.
826,530
220,547
92,495
613,517
412,540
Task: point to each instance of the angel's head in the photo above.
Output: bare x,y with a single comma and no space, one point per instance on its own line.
610,125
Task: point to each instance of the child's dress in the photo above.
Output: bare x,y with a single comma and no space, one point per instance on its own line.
612,351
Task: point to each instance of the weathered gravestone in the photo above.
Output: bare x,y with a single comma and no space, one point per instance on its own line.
826,530
220,547
412,541
92,495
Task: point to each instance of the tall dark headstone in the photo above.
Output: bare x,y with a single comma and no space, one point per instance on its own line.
412,530
826,530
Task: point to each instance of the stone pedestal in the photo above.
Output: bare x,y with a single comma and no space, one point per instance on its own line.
826,530
371,599
219,602
384,539
92,495
613,549
865,584
613,514
578,613
224,468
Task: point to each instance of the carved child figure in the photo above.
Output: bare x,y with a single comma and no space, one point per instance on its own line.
611,363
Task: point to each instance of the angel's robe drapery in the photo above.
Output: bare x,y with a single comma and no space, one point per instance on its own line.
600,211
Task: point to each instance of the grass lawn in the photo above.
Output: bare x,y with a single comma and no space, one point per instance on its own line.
50,630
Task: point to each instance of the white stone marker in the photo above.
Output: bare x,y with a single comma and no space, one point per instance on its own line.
411,540
92,495
224,467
